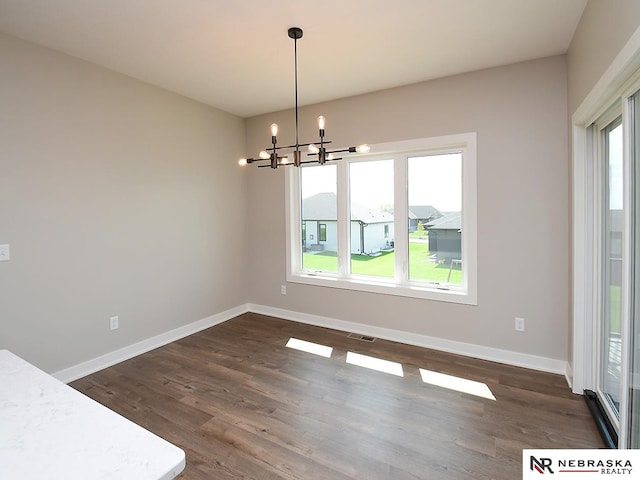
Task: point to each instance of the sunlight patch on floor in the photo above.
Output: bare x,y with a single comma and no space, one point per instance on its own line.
374,363
310,347
458,384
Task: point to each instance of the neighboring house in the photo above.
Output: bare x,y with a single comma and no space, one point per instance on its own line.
445,237
422,213
371,229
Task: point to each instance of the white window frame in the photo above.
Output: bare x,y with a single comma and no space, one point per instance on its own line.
400,285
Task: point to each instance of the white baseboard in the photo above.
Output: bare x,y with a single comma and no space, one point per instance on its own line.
91,366
466,349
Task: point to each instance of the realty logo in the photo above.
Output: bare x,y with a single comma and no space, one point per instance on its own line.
580,463
540,465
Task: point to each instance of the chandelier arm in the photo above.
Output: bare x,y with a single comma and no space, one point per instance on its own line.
280,165
342,150
299,145
256,160
327,152
315,161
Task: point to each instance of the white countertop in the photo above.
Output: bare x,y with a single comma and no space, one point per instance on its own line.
48,430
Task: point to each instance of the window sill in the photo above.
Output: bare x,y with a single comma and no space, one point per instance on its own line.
380,286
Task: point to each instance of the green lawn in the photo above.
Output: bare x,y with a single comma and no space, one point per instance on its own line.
420,267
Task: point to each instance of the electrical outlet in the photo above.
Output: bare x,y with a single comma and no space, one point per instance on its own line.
519,324
114,323
283,289
5,254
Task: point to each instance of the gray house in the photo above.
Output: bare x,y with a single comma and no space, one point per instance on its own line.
445,237
371,229
422,213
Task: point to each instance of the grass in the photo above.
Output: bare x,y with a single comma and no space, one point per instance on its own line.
420,267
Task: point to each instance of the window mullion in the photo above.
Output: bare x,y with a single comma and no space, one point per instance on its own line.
401,220
469,218
294,222
344,254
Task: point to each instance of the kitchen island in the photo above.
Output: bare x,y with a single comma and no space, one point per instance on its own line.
48,430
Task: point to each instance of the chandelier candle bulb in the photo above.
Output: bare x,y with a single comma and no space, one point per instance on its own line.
274,129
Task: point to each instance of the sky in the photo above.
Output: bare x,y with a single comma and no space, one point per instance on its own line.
434,180
615,169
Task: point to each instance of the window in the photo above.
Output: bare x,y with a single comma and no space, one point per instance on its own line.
400,220
322,232
435,200
318,187
370,215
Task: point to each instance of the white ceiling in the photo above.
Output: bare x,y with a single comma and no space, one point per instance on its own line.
236,55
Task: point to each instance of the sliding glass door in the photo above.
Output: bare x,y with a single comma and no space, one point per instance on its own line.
611,267
633,418
606,250
616,237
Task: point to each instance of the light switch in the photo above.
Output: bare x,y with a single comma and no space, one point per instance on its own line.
5,254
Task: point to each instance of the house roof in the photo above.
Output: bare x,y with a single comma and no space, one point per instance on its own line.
323,206
423,211
451,221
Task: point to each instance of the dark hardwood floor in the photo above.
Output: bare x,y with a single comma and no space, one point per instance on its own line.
243,406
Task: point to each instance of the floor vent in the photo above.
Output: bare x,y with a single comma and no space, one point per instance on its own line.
364,338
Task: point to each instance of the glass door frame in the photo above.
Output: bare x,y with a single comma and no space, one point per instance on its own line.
607,123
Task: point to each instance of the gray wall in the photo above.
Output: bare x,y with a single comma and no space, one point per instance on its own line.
605,27
519,114
117,198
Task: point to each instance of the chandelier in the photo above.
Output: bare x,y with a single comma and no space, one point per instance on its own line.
317,152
